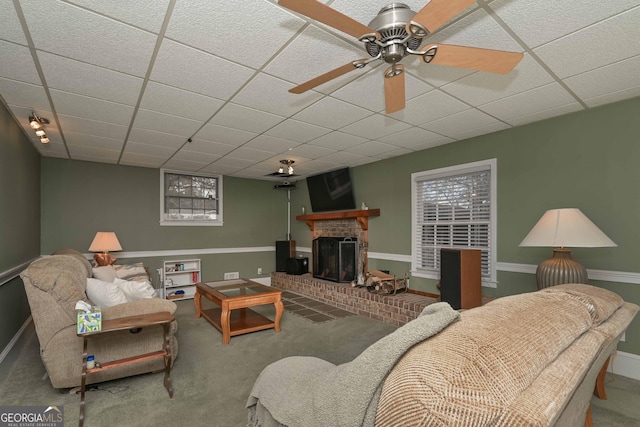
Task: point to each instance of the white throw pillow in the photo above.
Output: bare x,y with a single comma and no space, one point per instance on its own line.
131,272
104,294
135,291
106,273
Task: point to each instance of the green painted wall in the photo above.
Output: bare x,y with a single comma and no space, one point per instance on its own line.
587,160
19,219
81,198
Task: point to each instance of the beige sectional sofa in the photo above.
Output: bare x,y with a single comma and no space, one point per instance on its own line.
523,360
53,285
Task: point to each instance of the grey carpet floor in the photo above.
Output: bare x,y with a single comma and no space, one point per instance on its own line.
212,381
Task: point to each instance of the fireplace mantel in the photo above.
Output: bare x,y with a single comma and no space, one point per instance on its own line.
362,216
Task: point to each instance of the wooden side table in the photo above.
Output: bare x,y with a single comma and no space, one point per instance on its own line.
132,322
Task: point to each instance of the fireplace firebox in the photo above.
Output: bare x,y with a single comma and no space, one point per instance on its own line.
335,258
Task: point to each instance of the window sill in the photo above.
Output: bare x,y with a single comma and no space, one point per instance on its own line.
165,223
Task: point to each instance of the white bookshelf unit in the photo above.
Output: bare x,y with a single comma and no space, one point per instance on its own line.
180,274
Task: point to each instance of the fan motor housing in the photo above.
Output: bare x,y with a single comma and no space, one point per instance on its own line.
391,23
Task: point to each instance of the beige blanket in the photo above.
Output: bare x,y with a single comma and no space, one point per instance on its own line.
310,392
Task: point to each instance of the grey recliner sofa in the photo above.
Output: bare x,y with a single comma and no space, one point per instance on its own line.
53,285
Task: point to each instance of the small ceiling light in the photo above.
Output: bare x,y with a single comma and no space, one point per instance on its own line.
290,170
36,124
281,169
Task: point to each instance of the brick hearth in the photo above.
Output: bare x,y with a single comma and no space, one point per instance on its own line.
393,309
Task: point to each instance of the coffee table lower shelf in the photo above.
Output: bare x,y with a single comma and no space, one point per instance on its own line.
241,320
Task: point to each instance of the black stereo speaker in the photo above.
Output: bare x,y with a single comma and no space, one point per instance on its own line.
461,278
298,266
285,249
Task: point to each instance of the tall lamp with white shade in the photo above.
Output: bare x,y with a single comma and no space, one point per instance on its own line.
562,229
105,242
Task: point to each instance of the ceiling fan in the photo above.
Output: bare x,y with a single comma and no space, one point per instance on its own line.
396,32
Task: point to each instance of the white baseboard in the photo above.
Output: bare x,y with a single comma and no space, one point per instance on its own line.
13,341
625,364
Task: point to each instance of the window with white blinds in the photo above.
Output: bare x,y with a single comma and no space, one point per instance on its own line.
454,208
190,199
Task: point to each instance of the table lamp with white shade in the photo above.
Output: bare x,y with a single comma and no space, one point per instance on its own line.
105,242
562,229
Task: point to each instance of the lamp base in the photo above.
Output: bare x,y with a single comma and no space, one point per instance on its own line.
561,268
104,259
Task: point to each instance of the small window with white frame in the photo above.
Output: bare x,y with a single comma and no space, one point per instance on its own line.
190,198
454,208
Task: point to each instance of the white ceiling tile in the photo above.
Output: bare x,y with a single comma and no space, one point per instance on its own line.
208,147
539,22
477,29
165,123
205,25
459,125
10,28
375,127
139,14
271,144
545,114
76,33
192,156
89,80
368,90
77,140
184,165
245,118
529,102
92,127
155,150
611,40
337,140
234,162
24,94
310,151
430,106
196,71
312,53
371,148
332,113
162,98
224,135
221,168
365,11
150,137
141,160
321,165
613,97
411,137
435,143
91,108
393,153
268,93
480,88
295,130
250,154
53,149
93,154
605,80
343,157
20,67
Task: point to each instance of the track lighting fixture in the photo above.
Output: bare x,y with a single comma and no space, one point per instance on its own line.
37,124
285,169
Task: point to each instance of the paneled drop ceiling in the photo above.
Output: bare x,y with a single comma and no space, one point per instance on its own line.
130,82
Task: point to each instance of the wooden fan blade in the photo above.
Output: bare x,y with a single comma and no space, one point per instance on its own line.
327,15
325,77
436,13
394,95
472,58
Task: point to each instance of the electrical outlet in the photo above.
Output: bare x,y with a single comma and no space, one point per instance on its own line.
259,270
234,275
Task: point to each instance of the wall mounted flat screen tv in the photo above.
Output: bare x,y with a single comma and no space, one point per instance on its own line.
331,191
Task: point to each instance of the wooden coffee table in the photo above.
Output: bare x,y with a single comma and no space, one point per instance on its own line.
233,298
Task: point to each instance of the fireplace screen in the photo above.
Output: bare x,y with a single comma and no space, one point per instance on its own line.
335,258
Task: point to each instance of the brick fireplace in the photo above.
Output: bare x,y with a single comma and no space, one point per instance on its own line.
393,309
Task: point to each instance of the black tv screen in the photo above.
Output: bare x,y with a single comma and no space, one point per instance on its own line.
331,191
